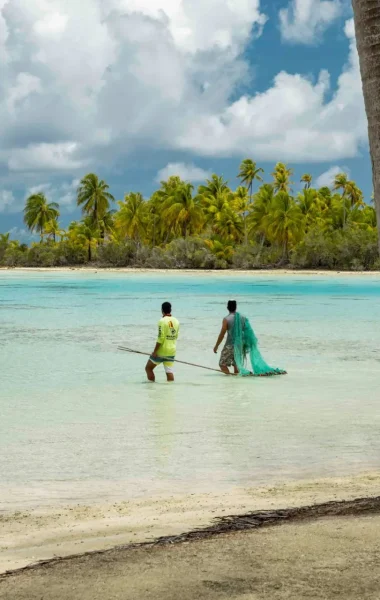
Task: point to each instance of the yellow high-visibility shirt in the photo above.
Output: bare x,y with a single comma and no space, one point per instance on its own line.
168,330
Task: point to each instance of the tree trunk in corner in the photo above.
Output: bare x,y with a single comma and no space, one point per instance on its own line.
367,27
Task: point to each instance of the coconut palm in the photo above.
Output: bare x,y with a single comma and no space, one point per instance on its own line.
182,212
307,180
4,239
241,203
107,224
354,194
341,183
52,230
214,186
221,248
88,234
229,225
281,176
131,217
248,173
310,206
285,222
257,219
94,198
215,205
367,27
4,243
38,212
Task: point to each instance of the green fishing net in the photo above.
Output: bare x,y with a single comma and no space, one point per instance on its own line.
246,345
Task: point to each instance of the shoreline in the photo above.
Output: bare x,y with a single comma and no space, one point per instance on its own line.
206,272
30,536
319,552
231,524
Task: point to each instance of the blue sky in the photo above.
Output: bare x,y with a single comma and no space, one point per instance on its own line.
171,86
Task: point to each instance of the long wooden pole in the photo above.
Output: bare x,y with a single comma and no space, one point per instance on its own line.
169,359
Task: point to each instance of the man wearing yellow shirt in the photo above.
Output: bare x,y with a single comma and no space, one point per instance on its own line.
166,346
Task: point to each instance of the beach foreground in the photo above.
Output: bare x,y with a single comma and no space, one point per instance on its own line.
319,559
32,535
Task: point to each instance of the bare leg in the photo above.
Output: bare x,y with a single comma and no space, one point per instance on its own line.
236,370
149,370
169,377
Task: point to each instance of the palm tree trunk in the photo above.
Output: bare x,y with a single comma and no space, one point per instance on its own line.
367,26
89,252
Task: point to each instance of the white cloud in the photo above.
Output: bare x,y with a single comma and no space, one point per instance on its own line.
63,193
303,21
156,74
327,178
45,157
187,172
52,24
290,121
8,202
24,86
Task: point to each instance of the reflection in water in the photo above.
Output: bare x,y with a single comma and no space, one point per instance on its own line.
162,417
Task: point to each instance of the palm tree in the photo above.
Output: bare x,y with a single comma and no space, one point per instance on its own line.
94,198
131,217
183,212
341,183
281,176
221,248
87,233
214,186
248,173
4,243
310,205
257,219
107,224
284,221
307,180
367,26
229,225
214,205
241,203
4,239
52,229
37,213
354,194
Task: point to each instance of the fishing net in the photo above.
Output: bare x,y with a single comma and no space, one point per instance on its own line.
246,344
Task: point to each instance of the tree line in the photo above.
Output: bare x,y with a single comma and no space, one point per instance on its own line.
258,224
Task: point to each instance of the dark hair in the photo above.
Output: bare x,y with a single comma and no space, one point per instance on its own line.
166,308
232,306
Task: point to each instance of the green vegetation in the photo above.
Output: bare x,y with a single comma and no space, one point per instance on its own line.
257,225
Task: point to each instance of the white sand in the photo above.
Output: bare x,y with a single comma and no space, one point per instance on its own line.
32,535
199,272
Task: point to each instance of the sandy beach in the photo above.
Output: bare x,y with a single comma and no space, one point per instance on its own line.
29,536
198,272
332,551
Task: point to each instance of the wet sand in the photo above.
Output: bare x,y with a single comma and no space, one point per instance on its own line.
336,557
31,535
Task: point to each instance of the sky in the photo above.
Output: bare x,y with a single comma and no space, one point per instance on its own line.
138,90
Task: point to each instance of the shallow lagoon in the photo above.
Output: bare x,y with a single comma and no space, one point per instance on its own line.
78,421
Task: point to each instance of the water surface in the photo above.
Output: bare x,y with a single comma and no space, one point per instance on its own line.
78,420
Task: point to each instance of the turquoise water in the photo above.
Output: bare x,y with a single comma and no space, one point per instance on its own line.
78,420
